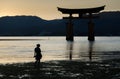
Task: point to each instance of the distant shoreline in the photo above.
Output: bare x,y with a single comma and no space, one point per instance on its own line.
17,39
26,38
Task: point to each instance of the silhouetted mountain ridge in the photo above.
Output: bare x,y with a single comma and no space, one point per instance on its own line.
107,24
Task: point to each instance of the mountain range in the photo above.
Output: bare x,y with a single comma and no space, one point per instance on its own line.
107,25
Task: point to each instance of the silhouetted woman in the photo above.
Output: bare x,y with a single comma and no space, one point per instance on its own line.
37,55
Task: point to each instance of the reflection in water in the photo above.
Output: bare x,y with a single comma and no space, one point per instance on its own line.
70,49
91,43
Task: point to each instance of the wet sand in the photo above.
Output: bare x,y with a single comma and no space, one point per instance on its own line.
109,69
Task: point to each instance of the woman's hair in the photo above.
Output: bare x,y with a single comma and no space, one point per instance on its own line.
38,45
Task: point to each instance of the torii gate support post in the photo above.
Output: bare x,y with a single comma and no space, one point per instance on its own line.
69,29
91,36
69,32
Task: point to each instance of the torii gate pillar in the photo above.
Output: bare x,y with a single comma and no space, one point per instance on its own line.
91,36
69,33
69,30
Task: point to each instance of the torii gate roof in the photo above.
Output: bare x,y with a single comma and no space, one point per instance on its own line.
81,11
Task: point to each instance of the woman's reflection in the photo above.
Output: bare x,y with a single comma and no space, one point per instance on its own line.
91,43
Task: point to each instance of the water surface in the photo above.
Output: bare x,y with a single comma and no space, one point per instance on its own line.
21,49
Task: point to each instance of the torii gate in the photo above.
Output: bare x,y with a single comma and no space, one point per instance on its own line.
87,13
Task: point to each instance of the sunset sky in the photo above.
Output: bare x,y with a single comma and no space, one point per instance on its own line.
47,9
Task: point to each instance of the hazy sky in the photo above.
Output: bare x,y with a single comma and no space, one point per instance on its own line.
47,9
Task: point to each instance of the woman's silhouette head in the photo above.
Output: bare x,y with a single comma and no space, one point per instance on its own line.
38,45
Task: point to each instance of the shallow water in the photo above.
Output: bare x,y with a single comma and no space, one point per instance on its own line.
21,49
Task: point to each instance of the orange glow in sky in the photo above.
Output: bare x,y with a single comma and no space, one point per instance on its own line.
47,9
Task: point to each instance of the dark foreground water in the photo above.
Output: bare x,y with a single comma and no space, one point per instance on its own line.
21,49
